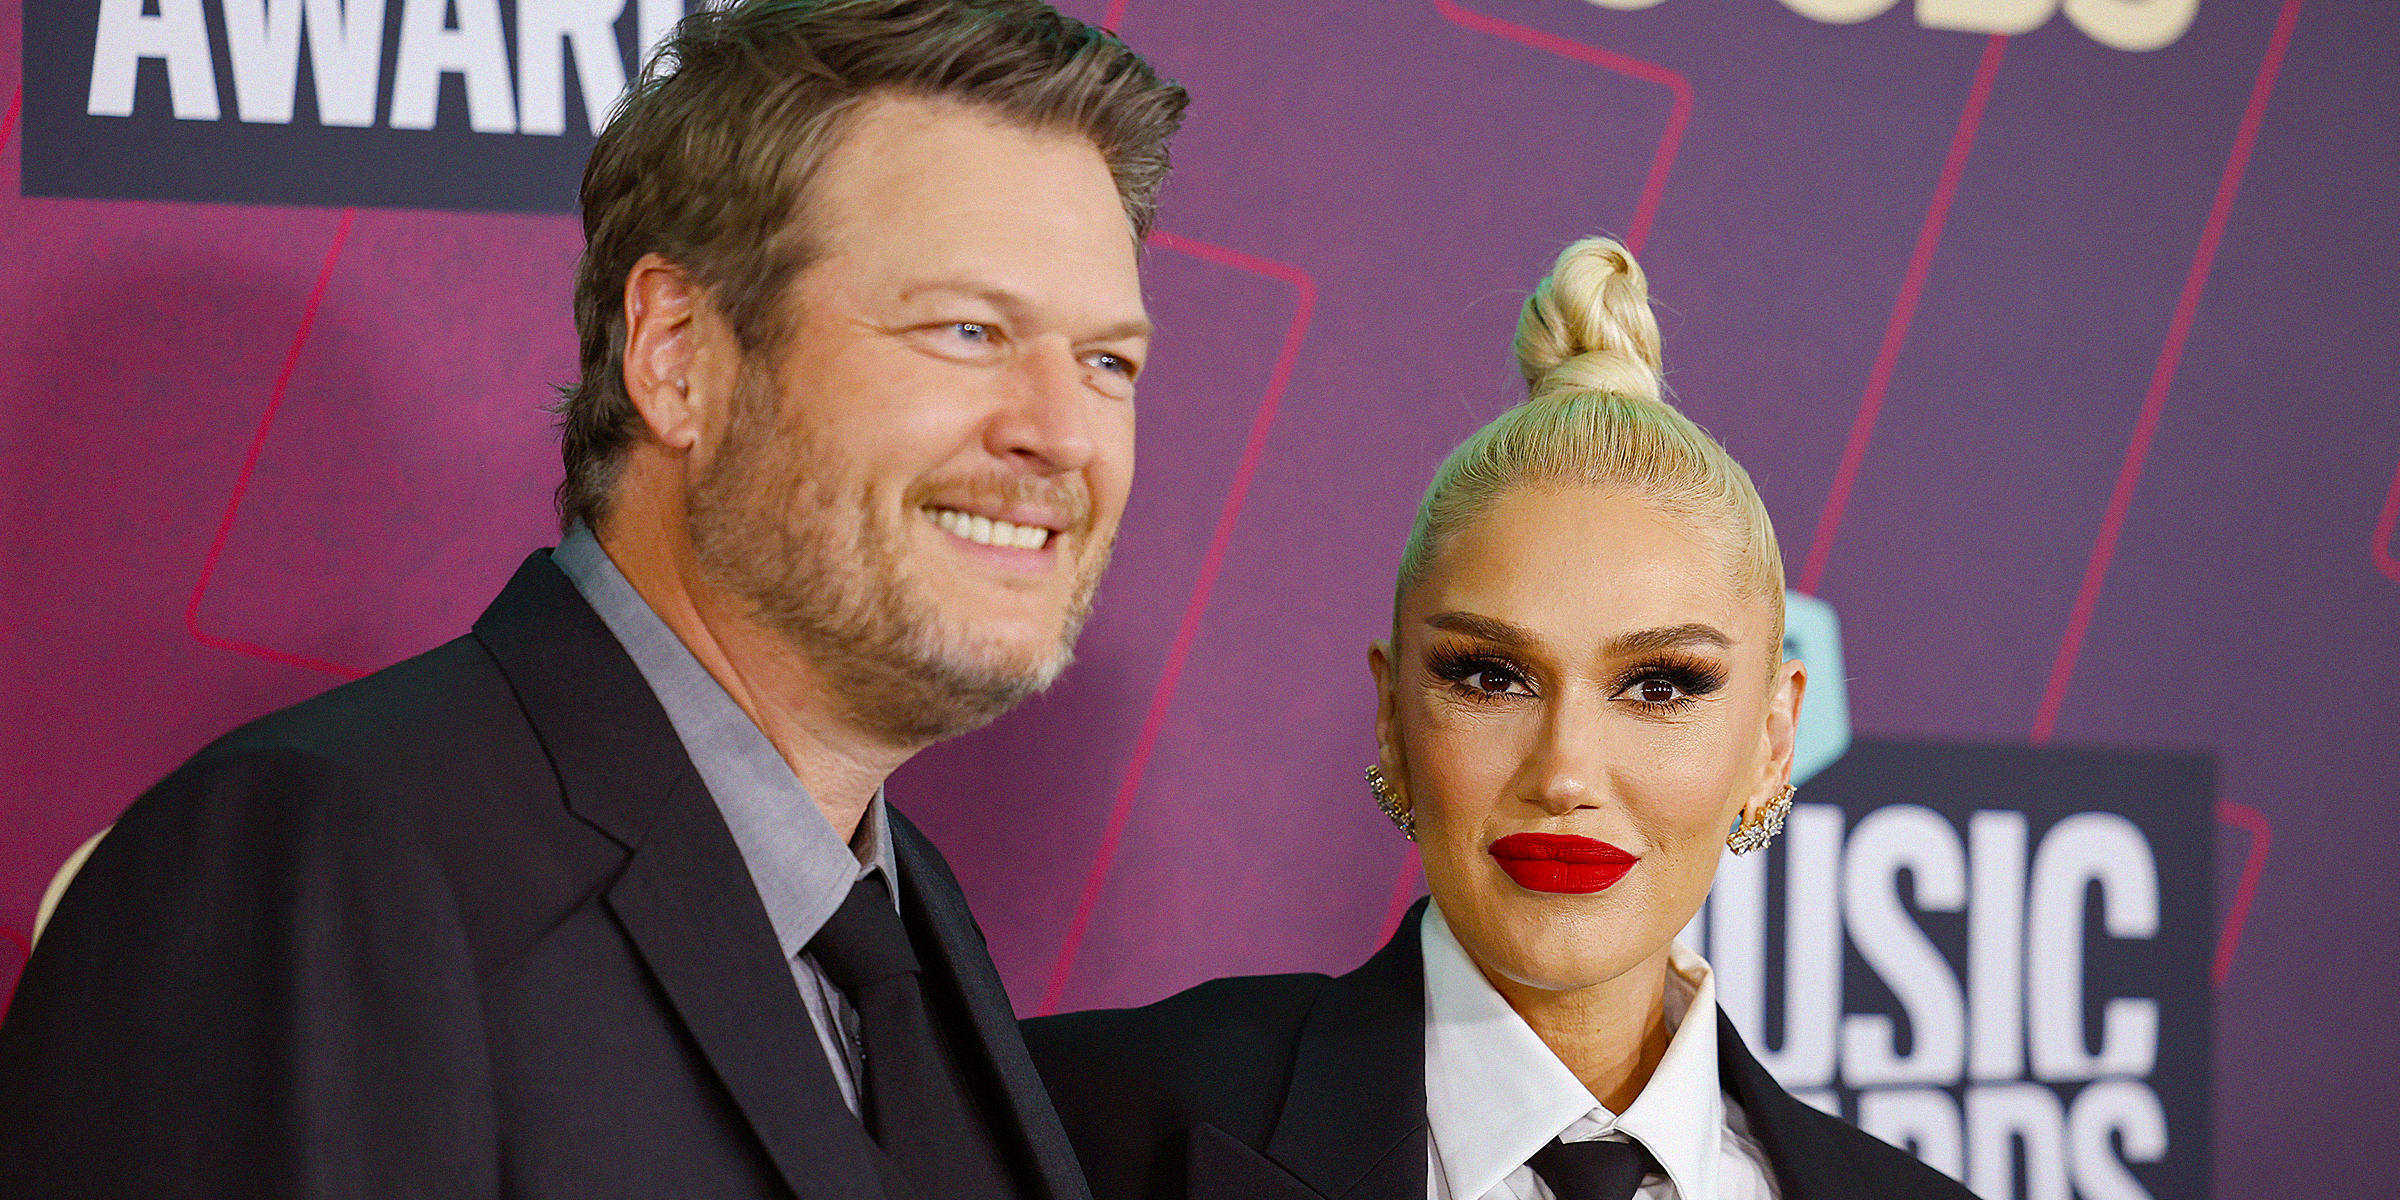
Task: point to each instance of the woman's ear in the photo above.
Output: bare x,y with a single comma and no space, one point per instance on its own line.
1387,713
665,312
1782,732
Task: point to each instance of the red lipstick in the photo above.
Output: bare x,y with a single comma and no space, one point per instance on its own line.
1561,862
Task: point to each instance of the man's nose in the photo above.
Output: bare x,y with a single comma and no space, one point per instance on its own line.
1045,417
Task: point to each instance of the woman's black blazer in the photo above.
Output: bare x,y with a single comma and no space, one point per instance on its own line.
1301,1087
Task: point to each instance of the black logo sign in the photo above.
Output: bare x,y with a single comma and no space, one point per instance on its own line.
459,104
1995,956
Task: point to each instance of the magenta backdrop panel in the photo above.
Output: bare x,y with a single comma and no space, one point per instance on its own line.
2065,369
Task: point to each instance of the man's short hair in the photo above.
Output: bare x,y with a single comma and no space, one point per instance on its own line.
709,160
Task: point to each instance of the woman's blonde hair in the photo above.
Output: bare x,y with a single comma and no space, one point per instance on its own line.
1588,346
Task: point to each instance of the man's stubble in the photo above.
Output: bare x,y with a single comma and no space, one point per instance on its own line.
826,570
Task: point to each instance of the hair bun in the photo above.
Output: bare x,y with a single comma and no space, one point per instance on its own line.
1588,325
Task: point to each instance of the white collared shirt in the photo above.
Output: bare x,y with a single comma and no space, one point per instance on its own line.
1495,1094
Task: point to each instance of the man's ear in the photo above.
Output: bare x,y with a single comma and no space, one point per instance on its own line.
665,317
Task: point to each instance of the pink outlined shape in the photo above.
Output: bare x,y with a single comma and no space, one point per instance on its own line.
1655,187
8,124
1904,311
1114,18
1154,721
241,483
2162,378
2254,864
2379,547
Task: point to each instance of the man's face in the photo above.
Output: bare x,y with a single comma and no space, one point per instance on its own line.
919,488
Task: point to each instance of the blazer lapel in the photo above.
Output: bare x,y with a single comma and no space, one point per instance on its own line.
684,898
1219,1167
1808,1166
1353,1124
932,902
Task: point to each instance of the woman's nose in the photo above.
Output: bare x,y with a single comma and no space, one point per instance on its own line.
1568,768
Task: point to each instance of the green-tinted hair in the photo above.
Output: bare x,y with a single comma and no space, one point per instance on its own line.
1588,346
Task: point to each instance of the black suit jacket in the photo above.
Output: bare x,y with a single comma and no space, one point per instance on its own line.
469,927
1300,1087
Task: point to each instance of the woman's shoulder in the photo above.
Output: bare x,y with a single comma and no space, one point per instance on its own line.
1226,1040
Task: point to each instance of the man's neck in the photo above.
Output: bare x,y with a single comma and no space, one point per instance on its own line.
783,693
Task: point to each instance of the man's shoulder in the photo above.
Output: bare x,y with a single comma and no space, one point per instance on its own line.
405,711
411,749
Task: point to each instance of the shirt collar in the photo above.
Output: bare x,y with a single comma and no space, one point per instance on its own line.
1495,1094
801,867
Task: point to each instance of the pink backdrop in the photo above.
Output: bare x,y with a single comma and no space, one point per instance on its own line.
2066,371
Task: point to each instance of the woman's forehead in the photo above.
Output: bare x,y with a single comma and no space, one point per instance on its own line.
1579,564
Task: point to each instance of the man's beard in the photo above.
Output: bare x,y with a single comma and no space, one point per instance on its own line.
821,569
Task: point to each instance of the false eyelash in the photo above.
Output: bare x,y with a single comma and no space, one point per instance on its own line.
1693,677
1453,667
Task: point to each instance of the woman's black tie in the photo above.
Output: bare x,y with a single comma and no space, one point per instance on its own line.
916,1102
1593,1170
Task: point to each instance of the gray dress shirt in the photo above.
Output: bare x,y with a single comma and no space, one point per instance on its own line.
801,868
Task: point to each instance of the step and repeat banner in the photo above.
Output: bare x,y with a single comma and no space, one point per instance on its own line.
2057,333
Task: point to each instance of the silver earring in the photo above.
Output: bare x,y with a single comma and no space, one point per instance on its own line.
1390,803
1760,830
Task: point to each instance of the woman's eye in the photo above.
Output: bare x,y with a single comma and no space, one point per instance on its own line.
1657,690
1496,681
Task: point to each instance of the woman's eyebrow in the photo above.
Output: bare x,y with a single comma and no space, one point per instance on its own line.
1644,641
1488,628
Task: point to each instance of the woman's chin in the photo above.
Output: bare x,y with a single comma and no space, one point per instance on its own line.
1558,956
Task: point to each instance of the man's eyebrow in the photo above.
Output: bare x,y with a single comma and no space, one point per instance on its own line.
1667,637
1011,304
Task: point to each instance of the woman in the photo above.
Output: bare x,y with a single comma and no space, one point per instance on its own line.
1583,692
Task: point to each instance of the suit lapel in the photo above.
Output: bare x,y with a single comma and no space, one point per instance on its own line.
1353,1124
931,902
1807,1164
684,898
688,903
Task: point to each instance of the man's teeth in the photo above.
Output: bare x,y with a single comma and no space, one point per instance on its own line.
988,532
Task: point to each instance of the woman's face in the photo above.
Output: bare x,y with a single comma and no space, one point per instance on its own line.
1576,667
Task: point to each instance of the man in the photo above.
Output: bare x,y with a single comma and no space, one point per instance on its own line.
603,899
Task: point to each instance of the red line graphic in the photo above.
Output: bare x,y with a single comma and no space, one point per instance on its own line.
2379,547
8,124
241,483
1404,893
1115,19
1305,291
2261,837
24,948
2162,378
1895,332
1654,189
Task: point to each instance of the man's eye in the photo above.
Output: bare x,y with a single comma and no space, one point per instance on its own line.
1113,364
972,331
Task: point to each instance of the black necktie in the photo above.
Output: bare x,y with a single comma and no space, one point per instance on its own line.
916,1100
1593,1170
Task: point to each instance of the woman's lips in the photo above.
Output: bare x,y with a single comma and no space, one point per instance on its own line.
1561,862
